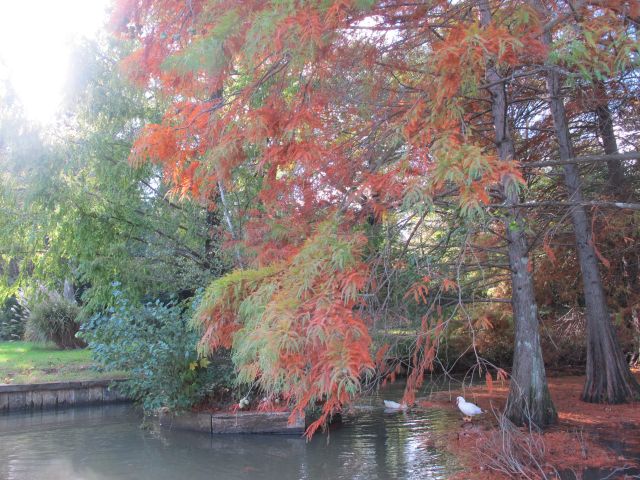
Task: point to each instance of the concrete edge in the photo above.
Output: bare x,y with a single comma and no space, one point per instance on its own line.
69,385
57,395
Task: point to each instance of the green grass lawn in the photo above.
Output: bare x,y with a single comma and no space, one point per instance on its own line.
26,362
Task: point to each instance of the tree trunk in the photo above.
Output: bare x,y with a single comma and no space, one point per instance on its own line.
226,210
616,181
609,379
529,401
212,242
69,291
227,216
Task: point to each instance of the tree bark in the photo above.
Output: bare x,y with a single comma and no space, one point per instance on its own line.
608,378
529,401
589,203
616,181
68,290
226,210
616,157
227,216
212,242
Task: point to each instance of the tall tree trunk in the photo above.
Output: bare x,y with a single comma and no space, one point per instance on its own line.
226,210
616,181
227,216
212,242
68,290
529,400
609,379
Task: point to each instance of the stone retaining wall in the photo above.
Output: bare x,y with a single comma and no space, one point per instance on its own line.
241,422
57,395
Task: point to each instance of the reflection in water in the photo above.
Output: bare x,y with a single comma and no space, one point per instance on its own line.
107,443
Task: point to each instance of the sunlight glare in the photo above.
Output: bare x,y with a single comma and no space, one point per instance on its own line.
35,44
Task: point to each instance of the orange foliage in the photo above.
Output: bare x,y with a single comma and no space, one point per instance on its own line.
335,106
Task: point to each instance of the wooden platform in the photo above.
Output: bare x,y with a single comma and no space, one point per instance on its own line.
241,422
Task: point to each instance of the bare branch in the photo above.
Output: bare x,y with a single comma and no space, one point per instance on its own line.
586,159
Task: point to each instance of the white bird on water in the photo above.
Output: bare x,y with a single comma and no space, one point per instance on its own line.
391,405
469,409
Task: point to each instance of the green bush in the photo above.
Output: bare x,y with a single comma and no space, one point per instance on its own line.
53,318
156,345
12,320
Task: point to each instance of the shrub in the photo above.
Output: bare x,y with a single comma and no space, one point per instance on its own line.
156,345
54,319
12,320
562,339
495,340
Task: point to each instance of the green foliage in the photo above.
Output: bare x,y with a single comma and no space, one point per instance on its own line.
364,4
280,319
155,344
207,50
55,319
12,320
72,207
234,292
593,58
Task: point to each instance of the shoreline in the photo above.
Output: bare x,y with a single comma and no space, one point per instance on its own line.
23,397
587,436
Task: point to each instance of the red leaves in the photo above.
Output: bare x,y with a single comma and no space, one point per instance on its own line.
548,250
592,240
157,143
416,119
334,367
423,356
601,257
484,322
501,376
419,290
489,380
321,114
351,284
381,354
448,284
190,182
295,324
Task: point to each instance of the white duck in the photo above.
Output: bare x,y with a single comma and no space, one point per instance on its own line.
391,405
469,409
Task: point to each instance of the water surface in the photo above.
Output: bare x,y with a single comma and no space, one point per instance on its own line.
105,443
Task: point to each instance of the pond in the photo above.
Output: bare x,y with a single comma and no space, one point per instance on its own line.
108,443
